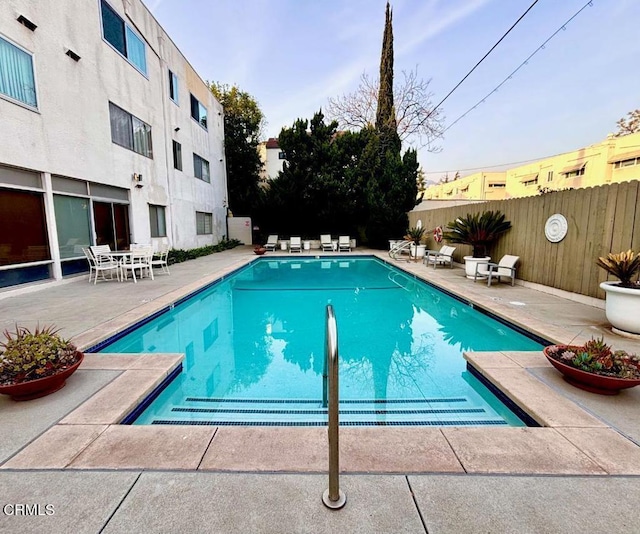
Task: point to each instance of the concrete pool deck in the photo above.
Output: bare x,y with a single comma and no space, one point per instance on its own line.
267,479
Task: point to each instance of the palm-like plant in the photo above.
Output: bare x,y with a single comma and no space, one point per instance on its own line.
624,265
478,230
415,234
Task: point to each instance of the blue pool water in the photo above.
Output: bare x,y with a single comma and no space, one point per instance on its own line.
254,346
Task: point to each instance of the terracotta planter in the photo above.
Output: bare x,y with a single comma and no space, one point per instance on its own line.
259,251
595,383
34,389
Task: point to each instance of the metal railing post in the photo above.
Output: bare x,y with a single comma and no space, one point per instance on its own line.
333,497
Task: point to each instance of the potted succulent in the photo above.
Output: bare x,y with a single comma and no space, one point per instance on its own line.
595,367
623,298
416,234
479,231
34,364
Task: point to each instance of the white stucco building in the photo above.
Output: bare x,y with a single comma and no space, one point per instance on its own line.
108,136
272,158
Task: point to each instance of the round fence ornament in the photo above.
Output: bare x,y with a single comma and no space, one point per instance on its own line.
556,228
437,234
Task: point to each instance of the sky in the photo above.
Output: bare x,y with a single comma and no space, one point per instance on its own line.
293,55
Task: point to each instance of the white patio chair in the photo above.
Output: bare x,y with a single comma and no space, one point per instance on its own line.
138,259
443,256
325,243
344,243
295,245
160,258
506,268
101,264
272,242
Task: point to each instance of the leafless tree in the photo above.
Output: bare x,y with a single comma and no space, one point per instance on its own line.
417,120
630,125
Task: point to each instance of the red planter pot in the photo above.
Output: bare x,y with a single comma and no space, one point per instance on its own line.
259,251
40,387
601,384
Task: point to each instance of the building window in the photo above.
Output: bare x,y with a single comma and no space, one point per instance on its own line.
17,80
201,168
122,37
627,163
73,225
528,183
173,87
204,223
550,176
23,228
130,132
198,112
177,155
157,221
577,172
281,155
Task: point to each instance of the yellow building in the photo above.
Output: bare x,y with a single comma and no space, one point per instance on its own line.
477,186
616,159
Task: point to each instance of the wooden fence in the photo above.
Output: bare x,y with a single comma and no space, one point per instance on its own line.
600,220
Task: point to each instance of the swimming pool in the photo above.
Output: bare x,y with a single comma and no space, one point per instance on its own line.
254,349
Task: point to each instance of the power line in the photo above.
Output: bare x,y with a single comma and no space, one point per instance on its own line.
497,165
478,63
525,62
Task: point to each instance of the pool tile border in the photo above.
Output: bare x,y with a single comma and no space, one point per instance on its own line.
91,436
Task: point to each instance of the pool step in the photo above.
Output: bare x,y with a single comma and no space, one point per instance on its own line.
455,411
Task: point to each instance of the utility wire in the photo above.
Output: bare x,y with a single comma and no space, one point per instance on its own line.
525,62
497,165
478,63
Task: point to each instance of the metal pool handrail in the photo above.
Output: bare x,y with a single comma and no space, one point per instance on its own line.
333,497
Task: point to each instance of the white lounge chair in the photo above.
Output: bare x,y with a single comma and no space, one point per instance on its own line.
295,245
272,242
325,243
344,243
443,256
506,268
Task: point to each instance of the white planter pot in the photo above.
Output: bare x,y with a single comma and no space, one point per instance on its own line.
622,308
470,264
418,252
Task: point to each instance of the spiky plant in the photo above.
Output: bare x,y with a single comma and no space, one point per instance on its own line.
415,234
478,230
623,265
27,355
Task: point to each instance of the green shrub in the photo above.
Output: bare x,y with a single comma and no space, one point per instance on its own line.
177,255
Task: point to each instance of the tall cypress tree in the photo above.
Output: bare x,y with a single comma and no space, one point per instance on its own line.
385,114
391,186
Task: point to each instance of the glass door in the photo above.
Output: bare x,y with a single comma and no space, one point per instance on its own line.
111,224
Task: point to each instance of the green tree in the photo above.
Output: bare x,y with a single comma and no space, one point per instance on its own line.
392,187
243,125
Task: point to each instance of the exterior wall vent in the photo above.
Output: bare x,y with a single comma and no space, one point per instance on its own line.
27,23
73,55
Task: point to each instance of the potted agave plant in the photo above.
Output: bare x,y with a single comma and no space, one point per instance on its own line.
479,231
34,364
595,367
623,298
416,235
